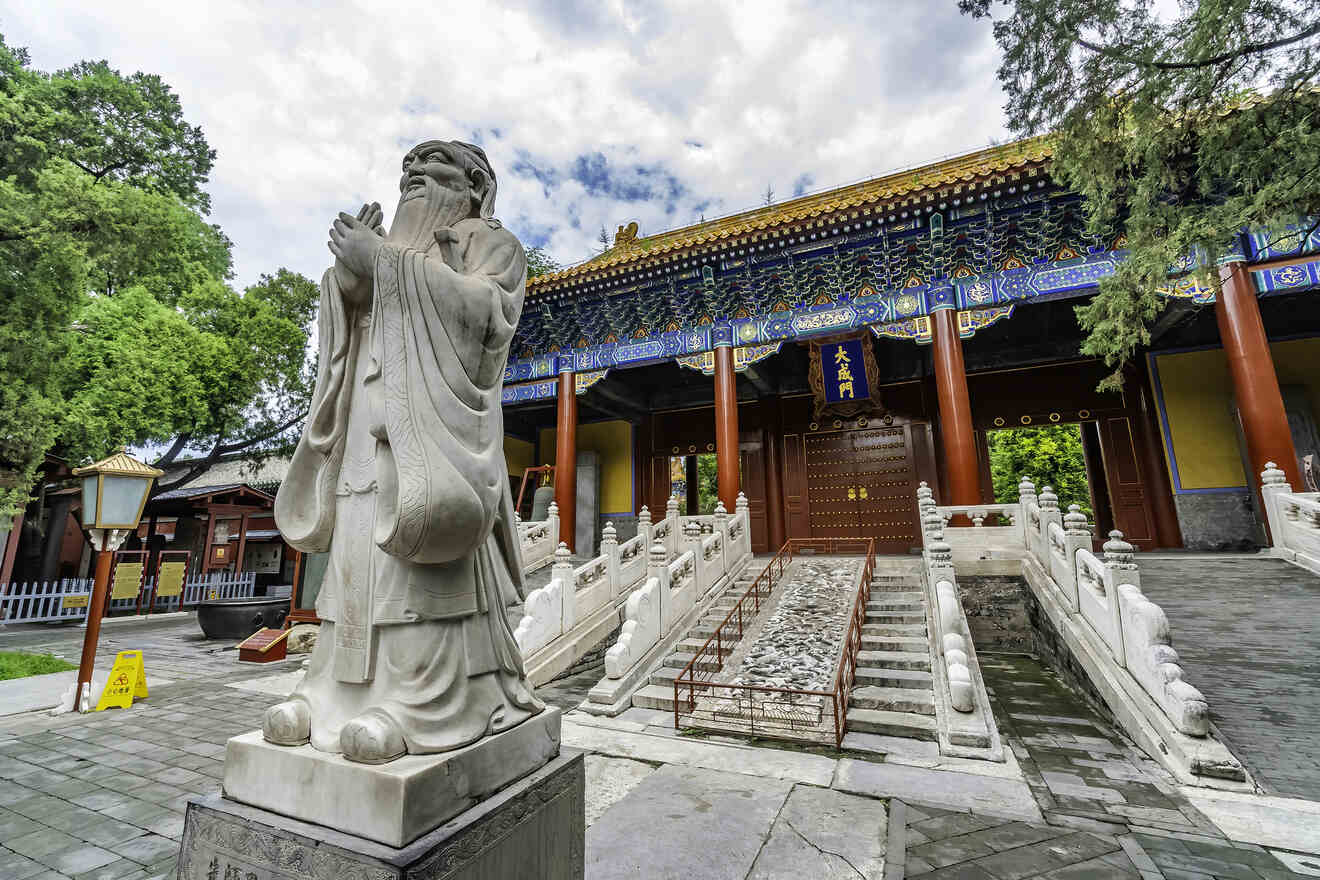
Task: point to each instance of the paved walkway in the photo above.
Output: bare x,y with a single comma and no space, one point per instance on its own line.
103,795
1245,628
1109,810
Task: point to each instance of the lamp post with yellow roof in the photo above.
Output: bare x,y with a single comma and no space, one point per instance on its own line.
114,492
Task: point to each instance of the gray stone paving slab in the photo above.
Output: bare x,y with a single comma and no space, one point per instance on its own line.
1007,798
1244,628
18,867
824,834
79,860
683,822
609,780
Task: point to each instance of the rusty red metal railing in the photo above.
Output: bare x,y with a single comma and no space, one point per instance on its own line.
846,675
699,673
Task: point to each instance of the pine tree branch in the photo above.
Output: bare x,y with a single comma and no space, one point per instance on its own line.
239,445
193,472
173,452
1249,49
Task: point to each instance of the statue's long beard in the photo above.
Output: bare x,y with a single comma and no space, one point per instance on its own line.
418,217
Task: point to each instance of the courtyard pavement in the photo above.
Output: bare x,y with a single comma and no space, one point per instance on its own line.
1244,626
103,795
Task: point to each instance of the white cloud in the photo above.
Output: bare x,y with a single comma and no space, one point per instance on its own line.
311,107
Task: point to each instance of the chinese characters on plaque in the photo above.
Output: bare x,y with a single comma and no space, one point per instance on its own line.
843,376
844,371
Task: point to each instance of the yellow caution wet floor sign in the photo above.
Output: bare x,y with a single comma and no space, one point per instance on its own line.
127,680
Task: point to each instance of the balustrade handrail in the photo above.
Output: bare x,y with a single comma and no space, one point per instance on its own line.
993,507
761,588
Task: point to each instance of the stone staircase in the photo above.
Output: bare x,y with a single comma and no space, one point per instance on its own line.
893,694
658,692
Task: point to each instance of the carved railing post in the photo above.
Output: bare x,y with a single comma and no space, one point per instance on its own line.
609,548
1026,498
692,540
926,509
675,526
931,523
563,572
657,566
1076,536
552,518
940,557
721,529
1049,513
1120,568
1274,485
644,526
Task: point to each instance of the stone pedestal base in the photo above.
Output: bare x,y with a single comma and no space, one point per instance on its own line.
533,829
393,803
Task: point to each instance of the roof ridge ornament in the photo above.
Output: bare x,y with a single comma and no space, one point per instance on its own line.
626,236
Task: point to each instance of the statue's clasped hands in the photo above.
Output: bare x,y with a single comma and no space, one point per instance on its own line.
355,241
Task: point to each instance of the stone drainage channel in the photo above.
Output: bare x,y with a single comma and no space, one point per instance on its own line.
795,642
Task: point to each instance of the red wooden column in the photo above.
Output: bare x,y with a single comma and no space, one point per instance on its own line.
956,433
566,454
242,544
726,426
210,536
774,469
1159,489
1255,385
9,551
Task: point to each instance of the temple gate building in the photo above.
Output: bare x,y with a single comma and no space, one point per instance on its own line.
832,351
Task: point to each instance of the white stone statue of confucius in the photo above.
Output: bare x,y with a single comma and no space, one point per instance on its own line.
400,475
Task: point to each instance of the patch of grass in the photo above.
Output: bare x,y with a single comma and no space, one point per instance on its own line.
16,664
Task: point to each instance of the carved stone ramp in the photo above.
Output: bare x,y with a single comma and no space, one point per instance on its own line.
893,694
1246,633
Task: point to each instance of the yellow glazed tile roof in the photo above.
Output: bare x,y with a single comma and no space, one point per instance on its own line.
955,172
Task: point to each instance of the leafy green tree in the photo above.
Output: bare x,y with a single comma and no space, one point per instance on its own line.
1181,126
1049,456
117,324
540,263
708,488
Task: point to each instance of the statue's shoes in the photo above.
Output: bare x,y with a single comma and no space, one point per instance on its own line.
287,724
372,738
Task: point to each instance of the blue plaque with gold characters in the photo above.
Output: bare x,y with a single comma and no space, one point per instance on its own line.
843,377
844,370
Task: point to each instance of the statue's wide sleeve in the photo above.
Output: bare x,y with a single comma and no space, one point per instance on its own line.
304,506
441,336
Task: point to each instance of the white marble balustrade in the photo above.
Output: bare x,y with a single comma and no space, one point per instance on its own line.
538,540
709,559
684,565
1104,594
1294,519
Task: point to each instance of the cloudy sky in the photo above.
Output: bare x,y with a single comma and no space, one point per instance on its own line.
593,113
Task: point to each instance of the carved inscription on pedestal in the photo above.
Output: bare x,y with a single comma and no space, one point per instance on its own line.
221,847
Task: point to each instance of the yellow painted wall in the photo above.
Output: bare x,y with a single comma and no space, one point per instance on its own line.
613,442
518,455
1197,395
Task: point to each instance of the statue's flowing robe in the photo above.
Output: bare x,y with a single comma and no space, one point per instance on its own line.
400,475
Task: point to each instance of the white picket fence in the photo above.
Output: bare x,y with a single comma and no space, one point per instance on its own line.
45,601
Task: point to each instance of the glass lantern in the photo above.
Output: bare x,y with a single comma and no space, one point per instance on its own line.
114,491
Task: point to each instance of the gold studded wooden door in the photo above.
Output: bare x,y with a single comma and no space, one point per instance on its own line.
831,479
886,487
863,484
